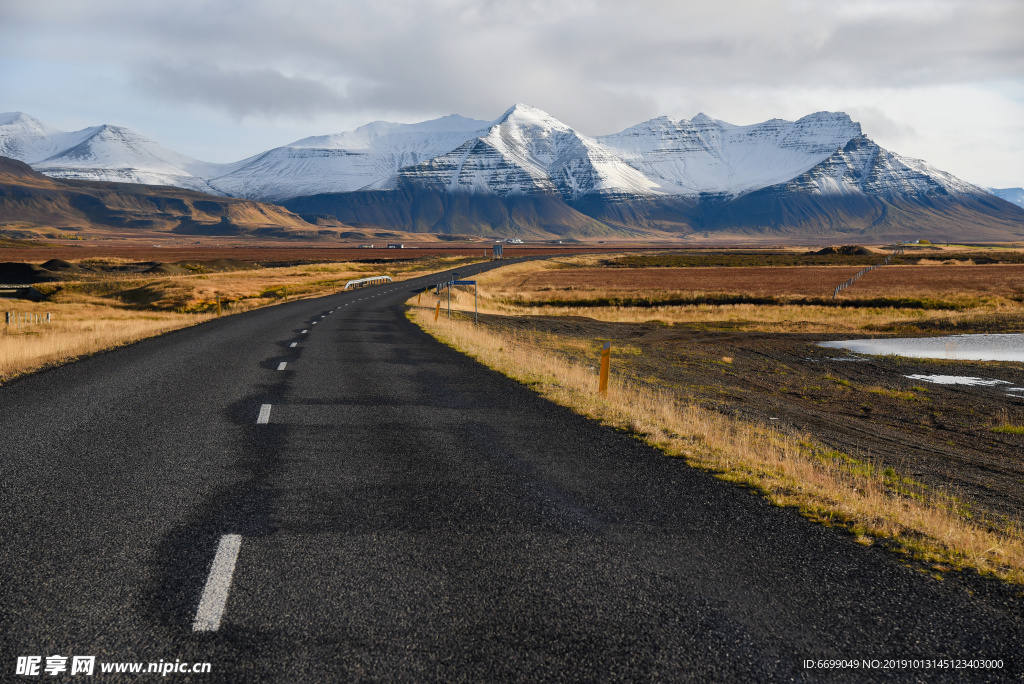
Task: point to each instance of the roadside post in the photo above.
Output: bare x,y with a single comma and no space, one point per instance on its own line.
218,304
606,353
437,311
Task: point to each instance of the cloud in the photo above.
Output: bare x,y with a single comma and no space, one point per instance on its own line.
480,55
599,65
253,92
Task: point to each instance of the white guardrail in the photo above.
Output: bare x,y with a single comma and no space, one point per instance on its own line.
368,281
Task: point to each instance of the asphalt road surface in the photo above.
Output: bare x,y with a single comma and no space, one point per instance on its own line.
319,492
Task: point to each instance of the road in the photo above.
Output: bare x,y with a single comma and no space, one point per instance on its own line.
401,513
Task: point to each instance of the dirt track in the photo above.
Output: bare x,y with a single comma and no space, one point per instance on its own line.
864,406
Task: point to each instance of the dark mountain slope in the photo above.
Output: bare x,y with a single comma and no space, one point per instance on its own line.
428,210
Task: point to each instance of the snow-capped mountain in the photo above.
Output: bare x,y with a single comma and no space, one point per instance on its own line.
30,140
862,166
708,156
526,171
102,153
527,151
364,159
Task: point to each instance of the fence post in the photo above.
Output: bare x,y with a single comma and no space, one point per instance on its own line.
47,317
218,305
602,383
437,311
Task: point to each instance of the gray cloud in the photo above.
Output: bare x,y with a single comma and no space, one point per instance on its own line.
421,55
242,93
263,58
599,65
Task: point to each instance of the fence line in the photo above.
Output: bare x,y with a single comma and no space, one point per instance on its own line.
20,319
851,281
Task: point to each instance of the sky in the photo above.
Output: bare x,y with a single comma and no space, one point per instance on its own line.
940,80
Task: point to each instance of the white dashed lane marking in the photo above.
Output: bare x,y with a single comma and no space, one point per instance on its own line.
304,331
294,344
281,365
264,416
215,594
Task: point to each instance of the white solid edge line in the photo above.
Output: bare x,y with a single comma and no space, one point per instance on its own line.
264,416
293,344
281,365
215,594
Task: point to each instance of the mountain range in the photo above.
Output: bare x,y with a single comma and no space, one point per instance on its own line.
530,175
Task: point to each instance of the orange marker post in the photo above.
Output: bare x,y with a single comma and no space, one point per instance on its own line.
606,355
437,311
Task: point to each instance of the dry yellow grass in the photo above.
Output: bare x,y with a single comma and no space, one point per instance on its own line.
873,503
77,330
111,310
508,291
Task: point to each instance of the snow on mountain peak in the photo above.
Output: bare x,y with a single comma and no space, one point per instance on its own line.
524,151
527,151
8,118
525,115
706,155
863,166
368,157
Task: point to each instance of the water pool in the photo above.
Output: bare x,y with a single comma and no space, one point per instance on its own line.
998,347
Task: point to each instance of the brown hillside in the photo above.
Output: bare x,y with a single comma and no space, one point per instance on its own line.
34,205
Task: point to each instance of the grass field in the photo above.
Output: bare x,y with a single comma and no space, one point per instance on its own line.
905,299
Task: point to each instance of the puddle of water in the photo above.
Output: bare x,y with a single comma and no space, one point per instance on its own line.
960,380
999,347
